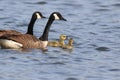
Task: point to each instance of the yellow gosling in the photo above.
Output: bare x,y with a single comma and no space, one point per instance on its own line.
69,45
58,43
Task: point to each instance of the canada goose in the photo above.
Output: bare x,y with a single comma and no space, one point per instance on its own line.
36,15
29,41
58,43
69,45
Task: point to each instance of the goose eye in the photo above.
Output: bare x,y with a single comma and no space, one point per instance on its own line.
38,16
56,16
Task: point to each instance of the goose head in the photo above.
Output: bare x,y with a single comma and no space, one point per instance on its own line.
37,15
57,16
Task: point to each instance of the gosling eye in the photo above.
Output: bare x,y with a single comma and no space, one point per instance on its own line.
64,36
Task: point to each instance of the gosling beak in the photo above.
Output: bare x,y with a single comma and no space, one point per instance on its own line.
67,37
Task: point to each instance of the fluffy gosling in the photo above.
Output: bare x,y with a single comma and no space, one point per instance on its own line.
59,43
69,45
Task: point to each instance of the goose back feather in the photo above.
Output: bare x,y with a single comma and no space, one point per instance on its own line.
26,40
3,32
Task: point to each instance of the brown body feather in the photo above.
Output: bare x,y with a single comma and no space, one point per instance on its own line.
28,41
3,32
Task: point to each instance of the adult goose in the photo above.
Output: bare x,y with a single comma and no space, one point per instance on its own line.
29,41
36,15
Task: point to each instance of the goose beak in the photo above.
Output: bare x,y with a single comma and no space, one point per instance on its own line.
43,17
63,19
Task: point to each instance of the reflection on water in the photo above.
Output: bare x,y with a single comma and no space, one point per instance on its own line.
94,26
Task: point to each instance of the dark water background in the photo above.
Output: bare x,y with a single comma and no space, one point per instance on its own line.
93,24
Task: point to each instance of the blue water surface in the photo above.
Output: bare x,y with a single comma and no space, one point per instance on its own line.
93,24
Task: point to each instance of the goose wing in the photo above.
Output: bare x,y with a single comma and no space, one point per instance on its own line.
28,41
3,32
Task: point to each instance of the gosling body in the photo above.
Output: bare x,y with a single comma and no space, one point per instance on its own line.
69,45
58,43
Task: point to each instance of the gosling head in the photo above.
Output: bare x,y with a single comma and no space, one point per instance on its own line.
38,15
70,41
63,37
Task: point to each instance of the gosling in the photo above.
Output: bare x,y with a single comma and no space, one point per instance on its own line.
69,45
59,43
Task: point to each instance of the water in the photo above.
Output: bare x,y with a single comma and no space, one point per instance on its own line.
93,24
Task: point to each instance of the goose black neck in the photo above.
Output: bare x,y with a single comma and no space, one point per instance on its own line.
45,34
30,26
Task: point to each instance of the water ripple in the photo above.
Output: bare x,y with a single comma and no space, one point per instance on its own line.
42,2
116,5
58,63
1,9
22,25
102,49
12,57
94,26
114,70
102,10
71,78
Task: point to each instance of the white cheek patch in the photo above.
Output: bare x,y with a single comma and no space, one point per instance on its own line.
56,17
38,16
9,44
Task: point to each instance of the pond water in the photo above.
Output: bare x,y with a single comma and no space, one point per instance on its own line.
93,24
